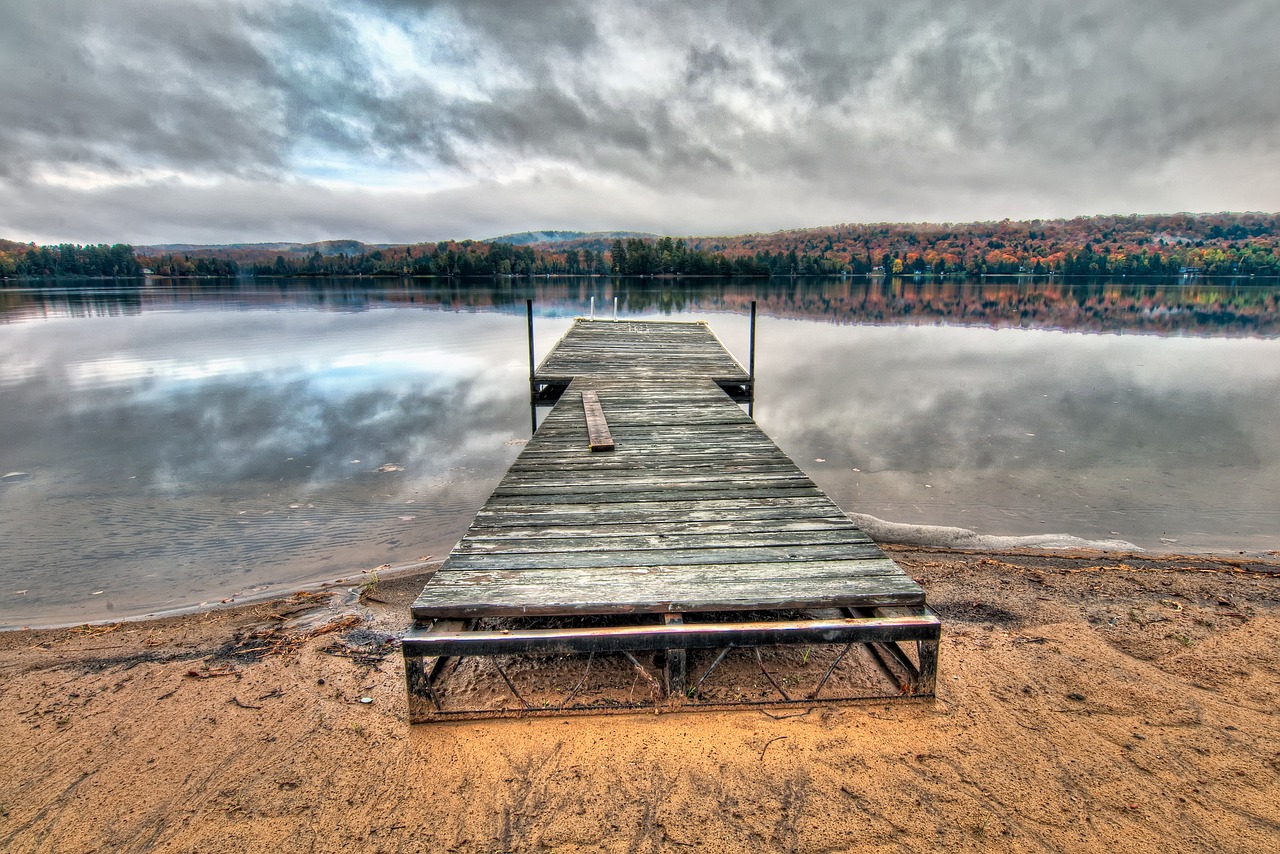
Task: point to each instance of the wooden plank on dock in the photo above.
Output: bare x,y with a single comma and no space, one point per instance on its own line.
623,589
598,437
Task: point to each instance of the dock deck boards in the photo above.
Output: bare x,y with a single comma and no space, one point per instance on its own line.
640,349
695,510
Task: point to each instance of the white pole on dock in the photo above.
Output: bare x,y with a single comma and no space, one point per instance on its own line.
593,307
615,308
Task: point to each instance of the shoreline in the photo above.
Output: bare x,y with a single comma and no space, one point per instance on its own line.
1086,702
890,536
335,585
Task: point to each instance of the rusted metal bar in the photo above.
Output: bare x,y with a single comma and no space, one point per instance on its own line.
581,682
648,677
683,636
649,706
707,672
895,652
512,687
767,675
830,670
881,659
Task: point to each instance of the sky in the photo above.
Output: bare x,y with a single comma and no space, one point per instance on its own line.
213,121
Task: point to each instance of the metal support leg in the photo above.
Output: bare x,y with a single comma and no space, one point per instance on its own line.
417,680
676,663
926,681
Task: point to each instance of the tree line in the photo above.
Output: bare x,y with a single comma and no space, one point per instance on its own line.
1157,245
68,259
1153,245
637,256
467,258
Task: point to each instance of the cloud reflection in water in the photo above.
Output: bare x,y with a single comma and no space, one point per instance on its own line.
167,473
1008,431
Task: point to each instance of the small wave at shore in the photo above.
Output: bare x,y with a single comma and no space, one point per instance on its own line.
941,536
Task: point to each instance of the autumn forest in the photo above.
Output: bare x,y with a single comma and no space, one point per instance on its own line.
1225,244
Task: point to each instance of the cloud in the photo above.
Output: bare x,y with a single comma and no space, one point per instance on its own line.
742,116
130,86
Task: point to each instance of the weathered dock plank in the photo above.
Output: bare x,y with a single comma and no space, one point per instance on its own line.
560,591
642,351
598,436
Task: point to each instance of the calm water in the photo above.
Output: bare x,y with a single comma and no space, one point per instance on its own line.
168,446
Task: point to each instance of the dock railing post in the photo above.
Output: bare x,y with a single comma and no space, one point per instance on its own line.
751,365
528,307
533,388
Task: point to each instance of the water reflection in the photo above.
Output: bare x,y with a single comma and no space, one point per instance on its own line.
1202,307
1163,442
171,444
164,471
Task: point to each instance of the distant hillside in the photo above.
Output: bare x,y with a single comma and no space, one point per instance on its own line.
586,238
14,248
241,251
525,238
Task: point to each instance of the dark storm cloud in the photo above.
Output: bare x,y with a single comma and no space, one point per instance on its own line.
741,116
134,84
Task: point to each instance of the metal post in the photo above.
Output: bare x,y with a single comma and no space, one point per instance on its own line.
677,663
593,307
533,388
751,368
528,307
615,308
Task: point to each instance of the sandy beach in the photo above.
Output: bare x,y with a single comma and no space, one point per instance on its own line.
1086,702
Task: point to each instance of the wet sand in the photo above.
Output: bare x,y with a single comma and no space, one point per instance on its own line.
1086,702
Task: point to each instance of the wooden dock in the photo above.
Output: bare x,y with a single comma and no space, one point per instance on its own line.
690,530
640,350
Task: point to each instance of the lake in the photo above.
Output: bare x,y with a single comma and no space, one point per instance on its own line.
171,444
